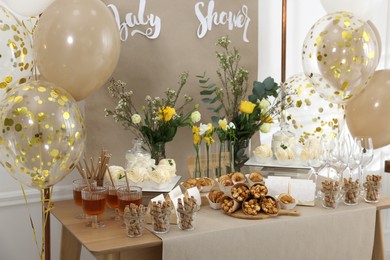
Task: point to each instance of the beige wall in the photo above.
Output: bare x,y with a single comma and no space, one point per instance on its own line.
149,66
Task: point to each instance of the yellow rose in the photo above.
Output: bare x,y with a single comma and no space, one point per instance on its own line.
196,139
166,113
223,124
247,107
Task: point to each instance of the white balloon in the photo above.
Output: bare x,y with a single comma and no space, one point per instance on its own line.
361,8
28,7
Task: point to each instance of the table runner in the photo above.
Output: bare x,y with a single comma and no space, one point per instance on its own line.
344,233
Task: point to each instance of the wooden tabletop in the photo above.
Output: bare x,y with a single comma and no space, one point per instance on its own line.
108,240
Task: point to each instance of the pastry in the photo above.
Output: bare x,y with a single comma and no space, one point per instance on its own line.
237,176
251,207
256,177
286,199
225,180
258,190
215,196
240,192
229,205
269,205
204,182
189,183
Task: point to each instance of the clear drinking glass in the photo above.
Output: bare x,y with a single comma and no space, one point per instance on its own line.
94,201
112,199
367,149
126,196
78,185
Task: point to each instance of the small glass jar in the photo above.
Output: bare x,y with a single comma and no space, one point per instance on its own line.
134,226
136,152
330,193
283,144
351,191
160,223
134,219
372,186
186,221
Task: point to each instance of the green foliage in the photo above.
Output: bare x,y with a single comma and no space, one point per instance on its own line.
264,90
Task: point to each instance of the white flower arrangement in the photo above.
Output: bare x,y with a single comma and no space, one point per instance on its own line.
263,151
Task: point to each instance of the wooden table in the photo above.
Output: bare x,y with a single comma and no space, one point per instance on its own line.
112,243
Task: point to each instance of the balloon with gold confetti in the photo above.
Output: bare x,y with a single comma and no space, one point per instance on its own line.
16,58
42,133
340,54
310,116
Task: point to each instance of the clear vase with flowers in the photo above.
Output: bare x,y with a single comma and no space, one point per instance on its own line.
248,113
157,121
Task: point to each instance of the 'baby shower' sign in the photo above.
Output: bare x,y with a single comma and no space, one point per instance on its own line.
160,40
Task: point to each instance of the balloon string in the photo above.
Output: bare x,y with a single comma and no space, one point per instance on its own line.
31,220
46,207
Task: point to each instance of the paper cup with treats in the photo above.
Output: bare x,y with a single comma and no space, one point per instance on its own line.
237,177
263,153
270,205
251,206
229,205
254,177
258,190
240,192
203,184
286,201
225,183
214,197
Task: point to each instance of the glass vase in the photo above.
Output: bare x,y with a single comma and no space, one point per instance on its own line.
208,161
158,151
223,164
197,172
241,149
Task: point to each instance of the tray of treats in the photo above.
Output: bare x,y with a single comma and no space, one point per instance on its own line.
250,201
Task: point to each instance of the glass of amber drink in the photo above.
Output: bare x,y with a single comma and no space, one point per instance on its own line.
128,195
78,185
94,201
112,199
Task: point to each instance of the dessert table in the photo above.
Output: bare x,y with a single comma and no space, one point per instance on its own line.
348,232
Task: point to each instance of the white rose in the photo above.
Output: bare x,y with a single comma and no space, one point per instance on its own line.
284,154
160,174
136,119
264,104
138,174
195,116
117,174
170,163
263,151
265,127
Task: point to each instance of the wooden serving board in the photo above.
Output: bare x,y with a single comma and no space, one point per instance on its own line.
261,215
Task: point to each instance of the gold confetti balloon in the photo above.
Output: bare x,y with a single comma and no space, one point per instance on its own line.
16,61
310,116
340,54
42,133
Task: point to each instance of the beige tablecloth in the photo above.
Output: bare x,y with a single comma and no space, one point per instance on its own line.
344,233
